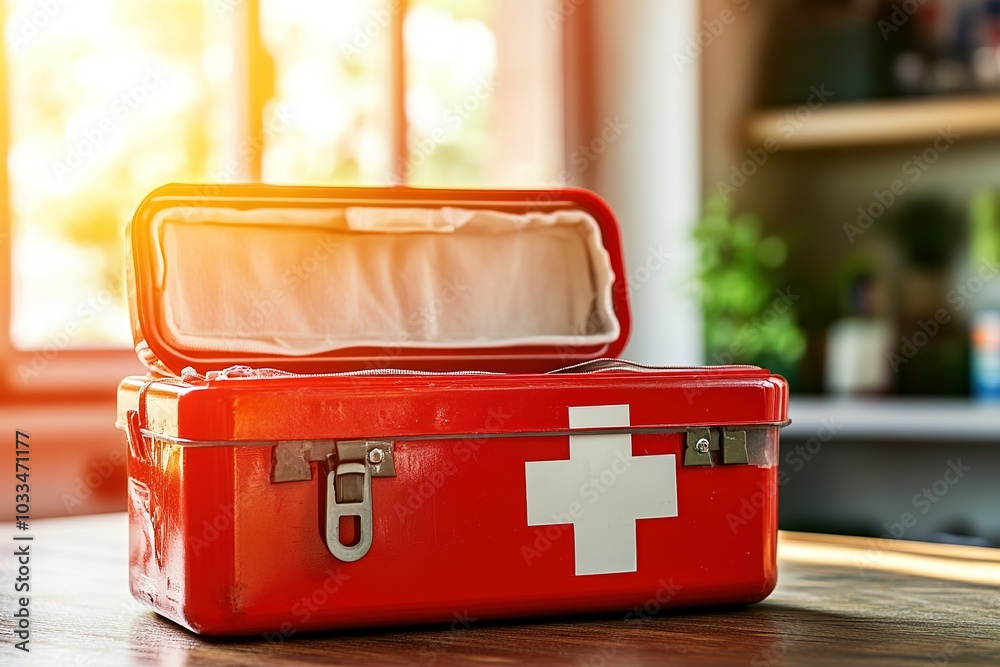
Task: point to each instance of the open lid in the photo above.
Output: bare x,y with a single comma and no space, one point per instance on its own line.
320,279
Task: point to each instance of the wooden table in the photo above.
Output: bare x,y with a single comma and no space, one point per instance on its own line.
839,601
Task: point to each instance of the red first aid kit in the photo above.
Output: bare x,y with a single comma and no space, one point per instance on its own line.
379,406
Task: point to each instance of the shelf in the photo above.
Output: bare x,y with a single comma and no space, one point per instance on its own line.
876,123
956,421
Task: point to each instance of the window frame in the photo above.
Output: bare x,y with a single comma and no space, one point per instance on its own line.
88,373
78,373
84,373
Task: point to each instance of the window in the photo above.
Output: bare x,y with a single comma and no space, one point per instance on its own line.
110,98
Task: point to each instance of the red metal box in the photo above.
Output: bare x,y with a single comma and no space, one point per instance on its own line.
282,478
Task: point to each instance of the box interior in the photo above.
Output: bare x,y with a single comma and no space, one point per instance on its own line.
309,281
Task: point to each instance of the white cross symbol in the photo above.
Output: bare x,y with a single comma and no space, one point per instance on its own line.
601,489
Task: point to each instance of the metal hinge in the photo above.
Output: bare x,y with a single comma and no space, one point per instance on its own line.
350,466
701,442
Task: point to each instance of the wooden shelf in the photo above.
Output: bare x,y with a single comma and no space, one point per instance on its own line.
876,123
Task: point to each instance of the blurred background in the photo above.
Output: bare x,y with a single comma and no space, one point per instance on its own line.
809,185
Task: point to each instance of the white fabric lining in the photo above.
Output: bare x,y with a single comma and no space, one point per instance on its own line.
294,282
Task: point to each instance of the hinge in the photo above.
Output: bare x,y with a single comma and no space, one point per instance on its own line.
350,466
702,442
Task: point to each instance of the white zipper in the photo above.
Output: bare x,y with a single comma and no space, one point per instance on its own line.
604,365
585,368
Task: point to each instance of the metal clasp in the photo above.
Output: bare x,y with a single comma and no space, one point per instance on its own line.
701,442
349,492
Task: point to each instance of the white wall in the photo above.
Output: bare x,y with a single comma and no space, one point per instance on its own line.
650,171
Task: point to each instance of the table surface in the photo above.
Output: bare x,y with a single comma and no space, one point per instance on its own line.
839,600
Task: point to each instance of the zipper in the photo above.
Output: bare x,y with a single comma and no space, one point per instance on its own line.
605,365
250,373
591,367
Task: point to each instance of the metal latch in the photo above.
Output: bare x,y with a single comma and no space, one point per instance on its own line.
701,442
350,466
349,493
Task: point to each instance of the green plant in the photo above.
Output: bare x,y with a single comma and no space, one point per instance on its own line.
748,318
